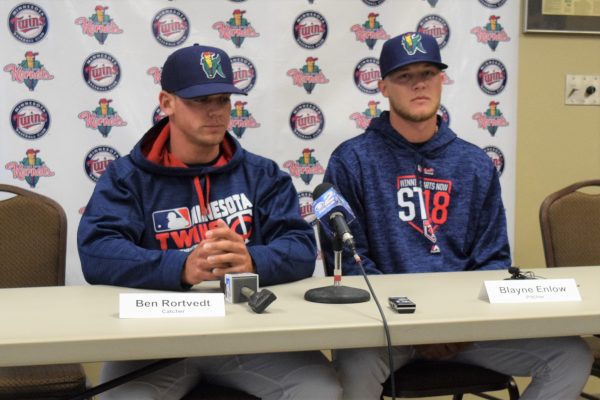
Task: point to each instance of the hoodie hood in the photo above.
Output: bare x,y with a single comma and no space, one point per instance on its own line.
151,154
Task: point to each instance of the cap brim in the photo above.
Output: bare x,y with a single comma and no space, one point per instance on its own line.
441,66
207,89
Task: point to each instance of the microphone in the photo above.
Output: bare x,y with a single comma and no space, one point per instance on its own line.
334,215
515,273
243,287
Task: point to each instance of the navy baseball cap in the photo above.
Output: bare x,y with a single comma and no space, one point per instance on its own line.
409,48
196,71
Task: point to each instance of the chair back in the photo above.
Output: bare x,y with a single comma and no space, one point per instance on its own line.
570,224
33,239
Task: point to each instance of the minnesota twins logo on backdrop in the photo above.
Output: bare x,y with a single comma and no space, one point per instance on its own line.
99,24
97,160
423,203
492,3
244,73
305,202
492,77
373,3
432,3
103,118
491,119
101,72
236,29
363,119
308,75
30,119
29,71
307,121
170,27
436,26
28,23
310,30
157,115
370,31
491,33
155,73
241,119
30,169
366,75
305,167
497,157
443,112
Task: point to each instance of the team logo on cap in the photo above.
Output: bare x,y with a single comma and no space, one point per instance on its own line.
307,121
97,160
99,24
236,29
308,75
155,73
305,202
491,33
305,167
373,3
241,119
363,119
412,43
29,71
366,75
30,169
28,23
492,3
492,77
211,64
443,112
170,27
157,115
491,119
370,31
103,118
436,26
497,157
310,30
30,119
244,73
101,72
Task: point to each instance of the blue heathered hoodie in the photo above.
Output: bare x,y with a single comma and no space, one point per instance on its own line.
427,208
143,218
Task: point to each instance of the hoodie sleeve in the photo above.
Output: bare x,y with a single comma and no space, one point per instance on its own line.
341,175
109,230
285,248
490,248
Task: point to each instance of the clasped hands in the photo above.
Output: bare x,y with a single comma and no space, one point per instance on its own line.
221,252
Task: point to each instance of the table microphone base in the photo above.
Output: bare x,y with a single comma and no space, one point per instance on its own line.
337,295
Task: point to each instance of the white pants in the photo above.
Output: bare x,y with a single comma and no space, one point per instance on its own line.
559,367
299,375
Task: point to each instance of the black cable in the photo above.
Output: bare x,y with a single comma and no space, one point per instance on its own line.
385,327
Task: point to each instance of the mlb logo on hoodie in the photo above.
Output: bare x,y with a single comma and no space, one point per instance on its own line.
172,219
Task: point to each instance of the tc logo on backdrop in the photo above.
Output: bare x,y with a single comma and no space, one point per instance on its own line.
29,71
28,23
99,25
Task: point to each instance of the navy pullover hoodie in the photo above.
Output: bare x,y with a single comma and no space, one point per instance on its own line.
148,211
419,208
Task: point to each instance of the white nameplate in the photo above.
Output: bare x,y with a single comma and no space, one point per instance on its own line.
532,290
171,305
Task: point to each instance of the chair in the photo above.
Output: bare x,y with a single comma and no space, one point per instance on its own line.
33,250
570,224
426,378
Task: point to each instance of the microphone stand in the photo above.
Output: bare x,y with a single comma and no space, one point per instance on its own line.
337,293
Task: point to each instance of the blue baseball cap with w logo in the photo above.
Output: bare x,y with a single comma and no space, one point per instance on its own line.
409,48
197,71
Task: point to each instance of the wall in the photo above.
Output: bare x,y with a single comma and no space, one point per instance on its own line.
556,144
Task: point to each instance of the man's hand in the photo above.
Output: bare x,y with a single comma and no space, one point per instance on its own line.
222,252
440,351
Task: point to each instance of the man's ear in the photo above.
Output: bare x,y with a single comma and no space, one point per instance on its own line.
382,87
166,101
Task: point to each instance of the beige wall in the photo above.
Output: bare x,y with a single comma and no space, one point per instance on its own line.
556,144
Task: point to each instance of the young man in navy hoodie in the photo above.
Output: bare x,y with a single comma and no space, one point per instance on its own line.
427,201
188,205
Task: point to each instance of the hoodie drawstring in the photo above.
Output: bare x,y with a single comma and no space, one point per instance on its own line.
203,195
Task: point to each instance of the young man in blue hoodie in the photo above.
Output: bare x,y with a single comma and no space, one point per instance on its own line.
427,201
188,205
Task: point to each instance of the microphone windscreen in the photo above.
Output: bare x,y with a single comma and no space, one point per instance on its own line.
320,189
